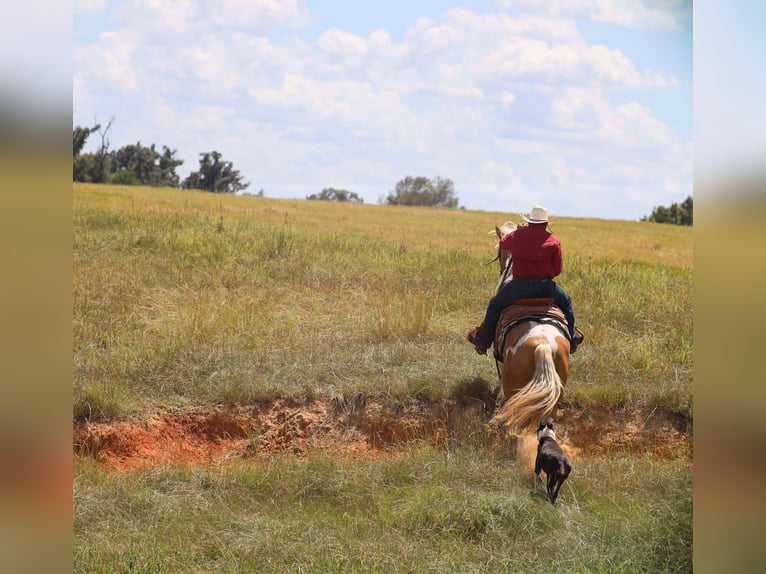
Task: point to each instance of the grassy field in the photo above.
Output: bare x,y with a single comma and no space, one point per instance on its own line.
423,511
181,297
184,299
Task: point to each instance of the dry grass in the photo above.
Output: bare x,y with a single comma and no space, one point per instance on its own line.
184,298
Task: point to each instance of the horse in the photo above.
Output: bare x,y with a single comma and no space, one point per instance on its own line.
532,354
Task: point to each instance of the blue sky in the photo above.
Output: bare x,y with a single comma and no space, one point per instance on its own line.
584,106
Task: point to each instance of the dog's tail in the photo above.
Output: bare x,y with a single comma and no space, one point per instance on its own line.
536,400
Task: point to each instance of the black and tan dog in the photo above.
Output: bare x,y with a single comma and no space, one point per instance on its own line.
551,459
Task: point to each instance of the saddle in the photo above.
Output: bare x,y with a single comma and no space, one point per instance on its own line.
524,310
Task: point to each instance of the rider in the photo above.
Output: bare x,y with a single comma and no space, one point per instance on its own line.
537,259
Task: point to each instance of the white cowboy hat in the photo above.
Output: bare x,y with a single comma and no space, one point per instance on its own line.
538,215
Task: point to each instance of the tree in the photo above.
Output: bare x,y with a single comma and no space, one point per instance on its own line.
80,136
420,190
686,211
215,175
168,165
676,214
331,194
133,160
144,165
91,167
100,172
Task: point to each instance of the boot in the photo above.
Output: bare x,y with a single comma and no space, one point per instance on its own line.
472,339
574,340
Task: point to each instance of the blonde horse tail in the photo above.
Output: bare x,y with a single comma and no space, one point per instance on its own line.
536,400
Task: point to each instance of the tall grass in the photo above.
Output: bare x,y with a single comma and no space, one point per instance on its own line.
185,297
460,510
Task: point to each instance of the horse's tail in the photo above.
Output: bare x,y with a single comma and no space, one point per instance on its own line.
536,400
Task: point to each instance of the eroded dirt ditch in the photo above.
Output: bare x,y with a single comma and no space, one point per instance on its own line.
356,427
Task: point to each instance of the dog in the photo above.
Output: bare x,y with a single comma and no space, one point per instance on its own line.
552,459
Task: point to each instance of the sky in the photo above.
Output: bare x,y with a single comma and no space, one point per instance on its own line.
583,106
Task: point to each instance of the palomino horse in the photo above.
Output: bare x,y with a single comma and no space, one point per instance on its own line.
532,351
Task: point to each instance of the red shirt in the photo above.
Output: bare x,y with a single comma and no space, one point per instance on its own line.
536,252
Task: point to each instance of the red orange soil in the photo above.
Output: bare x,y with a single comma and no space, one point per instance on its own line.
355,428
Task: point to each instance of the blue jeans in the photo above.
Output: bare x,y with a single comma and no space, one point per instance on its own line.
524,289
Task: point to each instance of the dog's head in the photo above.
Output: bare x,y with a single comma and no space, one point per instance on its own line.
546,430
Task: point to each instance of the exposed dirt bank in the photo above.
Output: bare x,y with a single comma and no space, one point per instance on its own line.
357,427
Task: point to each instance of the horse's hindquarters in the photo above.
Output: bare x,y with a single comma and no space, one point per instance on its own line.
535,370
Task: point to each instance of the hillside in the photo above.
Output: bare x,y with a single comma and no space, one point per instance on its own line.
280,385
190,300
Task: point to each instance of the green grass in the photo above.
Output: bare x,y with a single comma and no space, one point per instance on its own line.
459,510
185,297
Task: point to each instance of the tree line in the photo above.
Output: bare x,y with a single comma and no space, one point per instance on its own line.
421,191
137,164
677,214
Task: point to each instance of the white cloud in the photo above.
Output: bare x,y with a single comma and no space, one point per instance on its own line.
623,174
342,44
107,66
636,125
88,7
577,109
552,29
527,49
427,37
612,66
259,14
516,107
655,14
161,18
